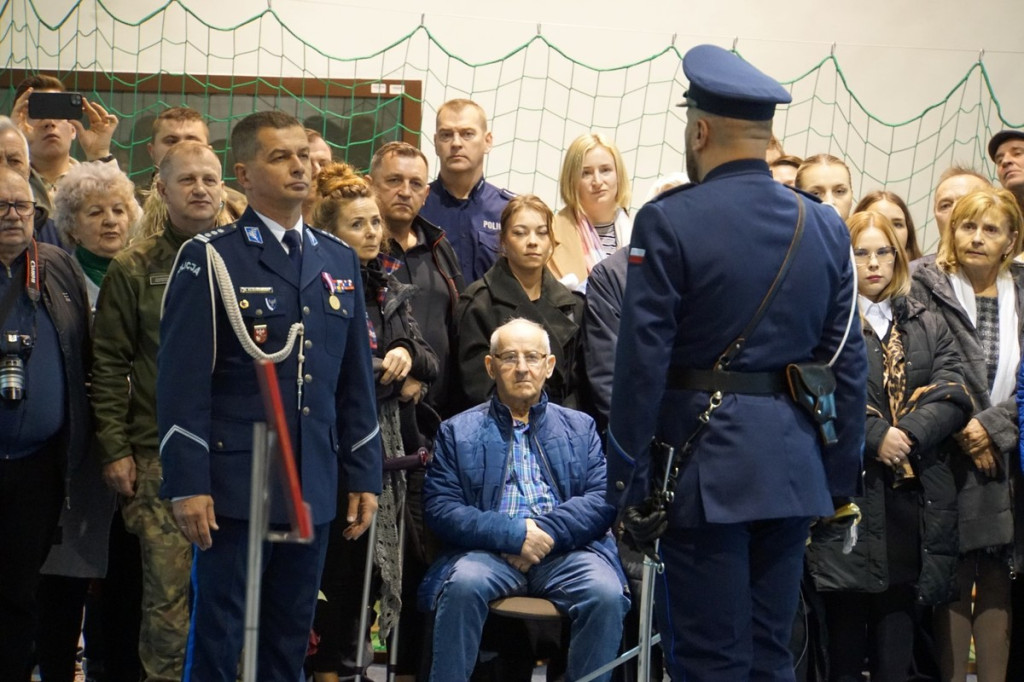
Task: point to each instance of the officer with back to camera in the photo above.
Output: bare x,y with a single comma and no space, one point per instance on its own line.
236,294
702,260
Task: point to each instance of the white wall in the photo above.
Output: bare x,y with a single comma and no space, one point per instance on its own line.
899,57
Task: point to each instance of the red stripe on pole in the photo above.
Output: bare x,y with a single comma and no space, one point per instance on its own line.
298,512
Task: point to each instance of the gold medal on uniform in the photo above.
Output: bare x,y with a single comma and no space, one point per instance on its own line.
335,303
259,333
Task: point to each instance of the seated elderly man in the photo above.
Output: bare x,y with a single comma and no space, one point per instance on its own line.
515,493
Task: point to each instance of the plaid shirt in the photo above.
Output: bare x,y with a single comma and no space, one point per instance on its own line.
527,494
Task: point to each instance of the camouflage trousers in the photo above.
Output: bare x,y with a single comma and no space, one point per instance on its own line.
166,573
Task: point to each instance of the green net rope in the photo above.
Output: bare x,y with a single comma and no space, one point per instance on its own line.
538,98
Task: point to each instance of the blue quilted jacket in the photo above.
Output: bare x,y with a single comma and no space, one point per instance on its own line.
466,478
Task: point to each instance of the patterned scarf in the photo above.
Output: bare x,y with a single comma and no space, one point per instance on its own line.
591,241
387,548
894,375
894,378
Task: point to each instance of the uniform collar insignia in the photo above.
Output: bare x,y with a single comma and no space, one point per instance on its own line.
253,234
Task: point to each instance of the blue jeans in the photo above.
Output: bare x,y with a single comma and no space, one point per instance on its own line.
581,584
727,599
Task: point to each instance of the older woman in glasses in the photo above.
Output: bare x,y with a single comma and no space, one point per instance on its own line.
976,286
520,284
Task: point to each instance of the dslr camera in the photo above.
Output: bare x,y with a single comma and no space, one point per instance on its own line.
14,351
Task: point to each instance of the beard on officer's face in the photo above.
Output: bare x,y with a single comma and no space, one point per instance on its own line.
691,164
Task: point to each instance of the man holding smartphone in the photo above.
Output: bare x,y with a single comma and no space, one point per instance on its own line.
49,139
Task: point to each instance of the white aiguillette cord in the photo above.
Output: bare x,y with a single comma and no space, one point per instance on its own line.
227,292
853,312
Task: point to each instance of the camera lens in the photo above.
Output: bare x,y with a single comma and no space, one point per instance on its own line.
76,99
12,379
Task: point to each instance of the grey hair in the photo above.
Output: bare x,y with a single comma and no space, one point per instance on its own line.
89,179
520,321
666,182
6,124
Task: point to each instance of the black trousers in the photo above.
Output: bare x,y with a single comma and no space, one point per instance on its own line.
31,489
61,604
877,627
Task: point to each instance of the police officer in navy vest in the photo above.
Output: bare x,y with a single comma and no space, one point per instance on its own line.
701,263
271,287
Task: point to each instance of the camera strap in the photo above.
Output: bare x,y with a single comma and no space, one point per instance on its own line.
31,282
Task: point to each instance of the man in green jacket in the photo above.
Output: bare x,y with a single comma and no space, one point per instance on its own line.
127,336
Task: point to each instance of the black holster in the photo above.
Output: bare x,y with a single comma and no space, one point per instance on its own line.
812,386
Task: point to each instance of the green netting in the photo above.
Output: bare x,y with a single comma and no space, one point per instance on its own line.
538,97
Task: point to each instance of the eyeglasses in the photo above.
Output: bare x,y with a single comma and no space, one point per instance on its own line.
511,359
22,208
884,255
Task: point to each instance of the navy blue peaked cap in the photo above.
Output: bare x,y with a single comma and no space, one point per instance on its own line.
721,83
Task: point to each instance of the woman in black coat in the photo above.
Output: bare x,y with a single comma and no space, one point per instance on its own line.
907,551
519,284
404,365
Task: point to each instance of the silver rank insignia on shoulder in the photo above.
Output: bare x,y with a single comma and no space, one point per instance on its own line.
253,234
259,333
205,237
312,238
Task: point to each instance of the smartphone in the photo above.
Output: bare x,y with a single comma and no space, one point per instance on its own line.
66,105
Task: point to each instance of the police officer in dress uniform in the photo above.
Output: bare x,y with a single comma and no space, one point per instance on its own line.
702,259
234,294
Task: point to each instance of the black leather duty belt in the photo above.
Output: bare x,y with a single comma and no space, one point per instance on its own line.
754,383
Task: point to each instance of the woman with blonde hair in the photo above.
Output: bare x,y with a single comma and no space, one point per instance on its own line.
595,221
976,286
906,552
828,178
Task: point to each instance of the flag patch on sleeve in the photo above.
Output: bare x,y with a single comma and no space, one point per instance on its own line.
636,256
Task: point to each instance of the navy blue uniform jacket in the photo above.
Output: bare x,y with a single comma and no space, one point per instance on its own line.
701,260
207,392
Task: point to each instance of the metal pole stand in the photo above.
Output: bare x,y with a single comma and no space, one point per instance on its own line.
259,508
365,603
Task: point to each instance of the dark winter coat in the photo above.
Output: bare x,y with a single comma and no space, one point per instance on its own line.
931,361
498,297
986,506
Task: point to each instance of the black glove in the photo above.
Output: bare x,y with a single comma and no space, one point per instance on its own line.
642,525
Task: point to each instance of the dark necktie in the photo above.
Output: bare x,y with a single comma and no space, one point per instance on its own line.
293,241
